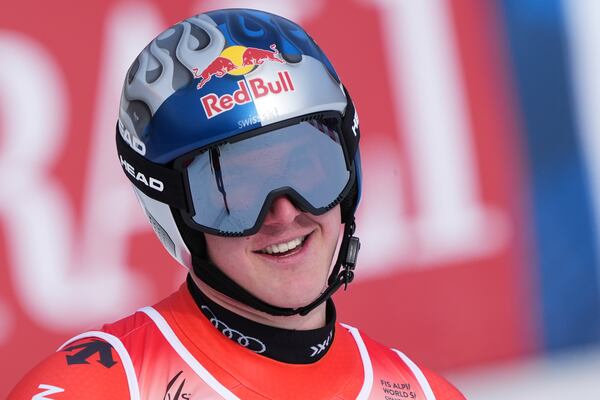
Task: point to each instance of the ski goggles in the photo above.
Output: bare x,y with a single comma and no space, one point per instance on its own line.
229,186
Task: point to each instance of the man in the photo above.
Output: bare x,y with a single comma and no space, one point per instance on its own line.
242,147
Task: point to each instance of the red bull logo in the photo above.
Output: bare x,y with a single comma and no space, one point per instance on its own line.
236,60
254,88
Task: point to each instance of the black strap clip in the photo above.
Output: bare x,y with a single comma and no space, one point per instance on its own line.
350,261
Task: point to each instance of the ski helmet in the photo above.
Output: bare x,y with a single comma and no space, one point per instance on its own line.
225,111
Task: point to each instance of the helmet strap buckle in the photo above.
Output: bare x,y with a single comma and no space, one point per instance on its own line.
350,261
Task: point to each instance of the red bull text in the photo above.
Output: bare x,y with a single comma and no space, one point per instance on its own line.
254,88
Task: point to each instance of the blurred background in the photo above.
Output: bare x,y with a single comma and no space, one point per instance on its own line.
481,160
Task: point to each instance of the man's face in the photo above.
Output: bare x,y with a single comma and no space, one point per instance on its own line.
261,264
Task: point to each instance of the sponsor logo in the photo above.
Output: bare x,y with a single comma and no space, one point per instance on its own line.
355,123
255,88
247,341
175,389
97,350
135,143
140,177
262,118
321,347
47,391
240,60
236,60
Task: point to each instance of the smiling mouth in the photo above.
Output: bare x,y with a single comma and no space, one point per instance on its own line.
281,249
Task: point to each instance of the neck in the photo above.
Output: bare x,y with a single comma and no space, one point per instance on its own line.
298,345
313,320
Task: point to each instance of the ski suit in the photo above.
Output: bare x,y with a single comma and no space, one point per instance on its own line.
171,351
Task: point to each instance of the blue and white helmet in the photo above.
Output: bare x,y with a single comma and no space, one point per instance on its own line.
211,79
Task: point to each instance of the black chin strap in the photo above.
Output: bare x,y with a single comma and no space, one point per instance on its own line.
342,274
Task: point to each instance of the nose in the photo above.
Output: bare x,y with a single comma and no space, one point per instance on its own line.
282,211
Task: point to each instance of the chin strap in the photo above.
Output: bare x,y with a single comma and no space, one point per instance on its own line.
342,274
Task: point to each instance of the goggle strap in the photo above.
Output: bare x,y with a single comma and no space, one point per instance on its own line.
154,180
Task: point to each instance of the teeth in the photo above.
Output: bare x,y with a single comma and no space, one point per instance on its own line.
283,247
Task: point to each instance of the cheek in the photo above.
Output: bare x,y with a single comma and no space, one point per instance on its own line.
332,223
223,251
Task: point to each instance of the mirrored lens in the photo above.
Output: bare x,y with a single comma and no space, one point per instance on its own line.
230,183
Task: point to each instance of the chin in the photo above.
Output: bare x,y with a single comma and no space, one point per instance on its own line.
299,298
